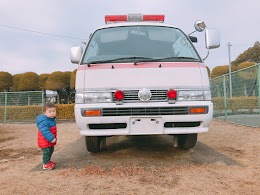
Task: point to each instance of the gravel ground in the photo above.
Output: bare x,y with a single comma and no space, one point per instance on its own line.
19,155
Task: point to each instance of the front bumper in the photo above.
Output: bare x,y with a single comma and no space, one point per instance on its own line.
143,124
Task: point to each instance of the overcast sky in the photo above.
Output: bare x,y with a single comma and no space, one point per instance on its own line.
23,51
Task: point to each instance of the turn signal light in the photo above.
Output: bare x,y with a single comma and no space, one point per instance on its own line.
92,112
198,110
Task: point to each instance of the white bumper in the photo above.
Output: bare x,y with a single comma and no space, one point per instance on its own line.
144,125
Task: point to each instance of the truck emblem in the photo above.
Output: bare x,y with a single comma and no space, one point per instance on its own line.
144,94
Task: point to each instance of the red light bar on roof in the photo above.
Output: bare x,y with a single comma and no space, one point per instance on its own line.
115,18
154,18
133,18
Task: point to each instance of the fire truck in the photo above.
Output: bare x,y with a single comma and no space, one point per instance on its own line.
139,76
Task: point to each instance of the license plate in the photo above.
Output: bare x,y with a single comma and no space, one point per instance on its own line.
139,125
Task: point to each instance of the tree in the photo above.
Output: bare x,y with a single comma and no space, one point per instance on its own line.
5,81
42,79
208,71
29,81
73,79
252,54
248,77
16,81
57,81
245,65
67,90
247,74
219,70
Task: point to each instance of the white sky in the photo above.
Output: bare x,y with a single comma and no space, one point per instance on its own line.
22,51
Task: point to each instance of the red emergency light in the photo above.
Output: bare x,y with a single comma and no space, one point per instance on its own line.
119,95
133,18
157,18
171,94
115,18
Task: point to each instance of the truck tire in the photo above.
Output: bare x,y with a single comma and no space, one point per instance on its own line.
187,141
93,143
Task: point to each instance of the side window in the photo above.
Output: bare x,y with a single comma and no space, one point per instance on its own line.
182,48
93,49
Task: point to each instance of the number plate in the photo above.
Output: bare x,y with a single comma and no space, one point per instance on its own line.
139,125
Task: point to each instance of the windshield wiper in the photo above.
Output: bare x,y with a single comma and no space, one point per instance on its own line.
118,59
166,58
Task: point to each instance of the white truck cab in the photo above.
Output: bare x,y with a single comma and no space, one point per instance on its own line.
139,76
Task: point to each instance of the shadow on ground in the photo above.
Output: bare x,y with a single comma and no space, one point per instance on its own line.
139,150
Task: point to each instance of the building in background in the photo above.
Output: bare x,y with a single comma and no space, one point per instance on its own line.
51,96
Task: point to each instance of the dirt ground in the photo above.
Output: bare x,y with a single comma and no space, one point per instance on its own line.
19,154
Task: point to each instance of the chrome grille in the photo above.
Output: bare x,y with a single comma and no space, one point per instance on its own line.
132,95
145,111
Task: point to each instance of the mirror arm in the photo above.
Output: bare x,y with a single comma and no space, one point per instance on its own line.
192,32
206,56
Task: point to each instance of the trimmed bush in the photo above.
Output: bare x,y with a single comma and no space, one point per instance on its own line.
29,113
236,103
20,113
65,111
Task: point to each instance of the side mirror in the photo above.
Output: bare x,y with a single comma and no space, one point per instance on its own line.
199,26
212,38
75,54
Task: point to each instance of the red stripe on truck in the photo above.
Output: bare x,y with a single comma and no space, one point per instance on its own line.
144,65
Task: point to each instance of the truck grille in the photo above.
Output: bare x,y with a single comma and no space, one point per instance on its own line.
132,96
146,111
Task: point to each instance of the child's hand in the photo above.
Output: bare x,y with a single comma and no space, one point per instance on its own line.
54,140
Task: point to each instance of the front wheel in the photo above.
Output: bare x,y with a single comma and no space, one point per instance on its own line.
93,143
187,141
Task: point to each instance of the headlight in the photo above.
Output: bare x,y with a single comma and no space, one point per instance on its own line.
207,95
193,95
79,98
98,97
93,97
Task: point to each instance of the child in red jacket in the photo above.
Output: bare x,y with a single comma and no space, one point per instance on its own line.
47,134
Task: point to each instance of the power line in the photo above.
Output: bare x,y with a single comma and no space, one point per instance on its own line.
39,32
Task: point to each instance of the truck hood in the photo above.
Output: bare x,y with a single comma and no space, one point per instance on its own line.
148,75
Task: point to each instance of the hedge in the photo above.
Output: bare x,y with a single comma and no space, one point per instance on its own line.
29,113
236,103
66,111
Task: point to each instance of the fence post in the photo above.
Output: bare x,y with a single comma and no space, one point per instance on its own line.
42,100
225,96
5,107
258,82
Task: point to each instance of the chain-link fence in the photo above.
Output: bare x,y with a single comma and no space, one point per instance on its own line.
20,106
236,96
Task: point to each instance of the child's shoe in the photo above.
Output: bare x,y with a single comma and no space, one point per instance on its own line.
54,163
48,166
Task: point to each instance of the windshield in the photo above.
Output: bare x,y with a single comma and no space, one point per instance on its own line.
143,43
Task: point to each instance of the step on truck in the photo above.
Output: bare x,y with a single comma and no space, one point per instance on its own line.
137,75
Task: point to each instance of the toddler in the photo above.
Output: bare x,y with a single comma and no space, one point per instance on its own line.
47,134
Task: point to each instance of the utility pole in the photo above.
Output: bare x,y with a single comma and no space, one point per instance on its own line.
230,79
